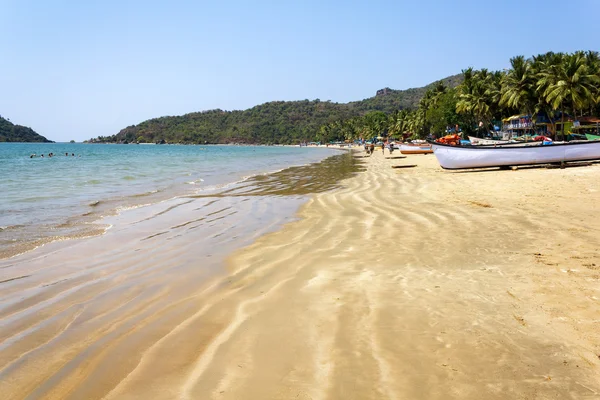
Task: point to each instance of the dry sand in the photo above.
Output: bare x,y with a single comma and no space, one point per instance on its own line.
412,283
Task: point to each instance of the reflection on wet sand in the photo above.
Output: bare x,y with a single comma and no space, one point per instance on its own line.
78,316
297,181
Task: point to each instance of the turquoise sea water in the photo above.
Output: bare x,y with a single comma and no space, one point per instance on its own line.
61,196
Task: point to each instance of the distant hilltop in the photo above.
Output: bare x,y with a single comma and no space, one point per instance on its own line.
10,132
276,122
451,81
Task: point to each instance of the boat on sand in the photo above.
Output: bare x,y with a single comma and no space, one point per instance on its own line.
415,148
466,157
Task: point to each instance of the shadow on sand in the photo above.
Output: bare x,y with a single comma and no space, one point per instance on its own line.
524,167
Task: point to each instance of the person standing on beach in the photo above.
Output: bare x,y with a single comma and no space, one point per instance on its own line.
382,148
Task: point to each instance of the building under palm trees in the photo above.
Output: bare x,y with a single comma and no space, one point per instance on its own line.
520,125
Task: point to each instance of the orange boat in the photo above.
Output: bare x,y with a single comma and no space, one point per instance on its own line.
452,140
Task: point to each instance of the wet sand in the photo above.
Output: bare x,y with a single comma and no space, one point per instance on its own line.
402,283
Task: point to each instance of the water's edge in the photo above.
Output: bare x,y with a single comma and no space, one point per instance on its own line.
294,183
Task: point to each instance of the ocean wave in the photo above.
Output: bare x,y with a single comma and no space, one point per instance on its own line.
120,209
148,193
24,246
195,182
10,227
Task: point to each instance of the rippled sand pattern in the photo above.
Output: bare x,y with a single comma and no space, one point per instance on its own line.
402,284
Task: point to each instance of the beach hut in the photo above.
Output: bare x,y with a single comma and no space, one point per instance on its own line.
589,126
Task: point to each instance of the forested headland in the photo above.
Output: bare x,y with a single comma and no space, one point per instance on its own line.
10,132
277,122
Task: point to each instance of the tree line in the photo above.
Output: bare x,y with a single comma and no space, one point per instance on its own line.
553,86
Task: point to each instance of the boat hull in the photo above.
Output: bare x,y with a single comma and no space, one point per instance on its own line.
467,157
415,149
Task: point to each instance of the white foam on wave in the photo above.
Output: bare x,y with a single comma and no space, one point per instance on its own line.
120,209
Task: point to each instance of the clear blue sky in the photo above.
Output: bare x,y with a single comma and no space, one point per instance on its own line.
78,69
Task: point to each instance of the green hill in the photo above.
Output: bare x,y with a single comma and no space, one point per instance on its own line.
283,122
10,132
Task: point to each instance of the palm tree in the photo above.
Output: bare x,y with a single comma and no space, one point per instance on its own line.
438,90
518,86
424,105
545,69
415,122
593,63
376,123
574,85
478,95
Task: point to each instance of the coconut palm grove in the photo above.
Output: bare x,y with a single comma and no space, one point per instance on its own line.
552,94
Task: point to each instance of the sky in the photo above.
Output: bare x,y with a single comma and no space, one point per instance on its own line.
73,69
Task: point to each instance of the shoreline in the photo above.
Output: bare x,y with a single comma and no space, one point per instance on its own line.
89,223
402,283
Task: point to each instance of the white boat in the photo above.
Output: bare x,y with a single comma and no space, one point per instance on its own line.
421,148
465,157
479,141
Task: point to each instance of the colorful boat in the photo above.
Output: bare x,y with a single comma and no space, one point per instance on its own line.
592,137
410,148
466,157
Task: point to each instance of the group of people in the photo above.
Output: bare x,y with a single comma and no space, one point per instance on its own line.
370,148
52,155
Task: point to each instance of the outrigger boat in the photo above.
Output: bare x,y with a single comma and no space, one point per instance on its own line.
466,157
411,148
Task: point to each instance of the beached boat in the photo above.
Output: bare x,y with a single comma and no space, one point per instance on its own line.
479,141
410,148
465,157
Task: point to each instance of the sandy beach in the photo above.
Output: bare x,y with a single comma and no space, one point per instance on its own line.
403,283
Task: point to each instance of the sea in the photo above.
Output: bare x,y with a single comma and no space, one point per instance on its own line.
66,196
